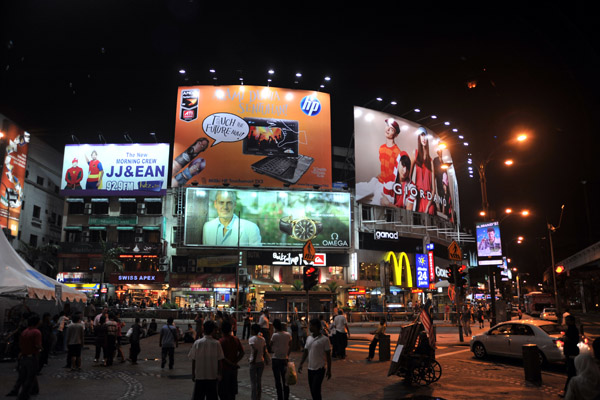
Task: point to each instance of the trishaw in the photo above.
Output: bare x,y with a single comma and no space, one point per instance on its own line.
415,366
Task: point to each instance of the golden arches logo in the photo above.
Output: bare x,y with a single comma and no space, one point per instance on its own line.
398,264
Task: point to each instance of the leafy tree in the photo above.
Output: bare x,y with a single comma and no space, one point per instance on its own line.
110,256
43,258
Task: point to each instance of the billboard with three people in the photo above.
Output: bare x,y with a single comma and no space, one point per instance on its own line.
402,164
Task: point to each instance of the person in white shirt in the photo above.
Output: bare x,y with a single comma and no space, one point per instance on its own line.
258,349
342,333
281,345
318,352
207,364
264,324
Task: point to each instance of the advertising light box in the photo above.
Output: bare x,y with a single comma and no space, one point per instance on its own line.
15,145
488,239
402,164
260,218
252,135
115,169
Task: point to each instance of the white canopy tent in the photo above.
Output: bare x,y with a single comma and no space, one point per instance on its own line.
19,280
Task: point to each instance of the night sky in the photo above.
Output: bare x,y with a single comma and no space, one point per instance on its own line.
94,67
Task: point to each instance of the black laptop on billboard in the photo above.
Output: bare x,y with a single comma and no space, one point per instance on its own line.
277,139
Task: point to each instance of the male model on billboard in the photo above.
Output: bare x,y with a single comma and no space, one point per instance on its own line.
95,172
490,245
388,155
74,176
223,230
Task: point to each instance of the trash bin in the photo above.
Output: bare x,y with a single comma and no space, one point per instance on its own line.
384,347
531,364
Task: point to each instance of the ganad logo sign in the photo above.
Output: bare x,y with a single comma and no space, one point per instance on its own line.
398,264
386,235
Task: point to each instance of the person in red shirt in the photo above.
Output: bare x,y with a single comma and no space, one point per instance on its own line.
94,179
74,176
30,343
233,352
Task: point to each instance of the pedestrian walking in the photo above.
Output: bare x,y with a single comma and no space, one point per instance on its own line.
281,344
110,344
134,341
586,384
519,313
207,363
342,333
75,340
246,326
264,324
167,341
570,350
466,322
480,317
47,339
447,313
233,352
63,320
120,325
257,360
318,353
100,332
377,334
30,344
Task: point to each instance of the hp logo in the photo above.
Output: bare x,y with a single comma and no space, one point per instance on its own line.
310,106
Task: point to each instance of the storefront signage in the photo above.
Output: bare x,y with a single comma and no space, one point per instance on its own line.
422,271
441,272
356,290
281,258
431,266
399,263
263,218
74,277
386,235
115,169
202,280
137,277
114,220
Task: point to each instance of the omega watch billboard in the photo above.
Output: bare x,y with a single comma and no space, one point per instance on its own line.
261,218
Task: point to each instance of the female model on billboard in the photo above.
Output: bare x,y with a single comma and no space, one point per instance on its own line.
422,175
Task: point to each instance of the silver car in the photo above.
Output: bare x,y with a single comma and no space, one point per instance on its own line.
507,339
549,314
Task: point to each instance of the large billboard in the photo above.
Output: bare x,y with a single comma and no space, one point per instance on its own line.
260,218
115,169
252,135
14,144
400,163
488,239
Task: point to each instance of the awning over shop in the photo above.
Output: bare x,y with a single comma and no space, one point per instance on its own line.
73,228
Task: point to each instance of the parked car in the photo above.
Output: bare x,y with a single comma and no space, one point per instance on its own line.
549,314
507,339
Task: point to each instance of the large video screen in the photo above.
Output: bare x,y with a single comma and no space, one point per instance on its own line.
14,142
402,164
261,218
115,169
488,239
252,135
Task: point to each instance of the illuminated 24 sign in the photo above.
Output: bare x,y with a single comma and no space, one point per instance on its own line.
399,263
422,271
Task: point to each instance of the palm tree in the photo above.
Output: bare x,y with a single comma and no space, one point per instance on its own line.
110,255
42,258
297,285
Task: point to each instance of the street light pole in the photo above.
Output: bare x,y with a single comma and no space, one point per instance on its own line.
551,230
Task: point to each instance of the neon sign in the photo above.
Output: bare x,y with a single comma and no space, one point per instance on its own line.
400,262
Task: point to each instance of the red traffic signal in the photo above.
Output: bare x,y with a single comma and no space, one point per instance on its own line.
311,277
560,269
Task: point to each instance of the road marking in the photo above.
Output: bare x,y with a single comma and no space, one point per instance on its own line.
452,352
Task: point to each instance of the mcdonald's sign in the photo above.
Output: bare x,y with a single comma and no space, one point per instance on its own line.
399,263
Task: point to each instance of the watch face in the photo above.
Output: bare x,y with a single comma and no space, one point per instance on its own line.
304,229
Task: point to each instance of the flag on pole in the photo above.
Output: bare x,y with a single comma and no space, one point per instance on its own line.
428,323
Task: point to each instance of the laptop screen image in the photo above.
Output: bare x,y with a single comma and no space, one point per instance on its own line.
271,137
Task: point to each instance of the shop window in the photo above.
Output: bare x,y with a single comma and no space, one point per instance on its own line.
73,236
100,208
298,273
140,263
96,235
263,271
369,272
336,273
128,207
126,236
151,236
154,208
76,207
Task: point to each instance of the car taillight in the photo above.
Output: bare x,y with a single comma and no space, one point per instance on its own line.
559,343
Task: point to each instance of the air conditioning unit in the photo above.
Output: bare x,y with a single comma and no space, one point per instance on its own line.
139,230
87,208
243,271
85,236
139,239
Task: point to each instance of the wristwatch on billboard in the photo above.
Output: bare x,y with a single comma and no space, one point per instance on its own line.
302,229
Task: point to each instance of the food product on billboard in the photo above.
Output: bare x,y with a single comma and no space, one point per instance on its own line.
74,176
250,218
189,154
228,229
94,179
302,229
195,168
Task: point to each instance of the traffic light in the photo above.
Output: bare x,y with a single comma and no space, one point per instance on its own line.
560,269
311,277
461,279
451,275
